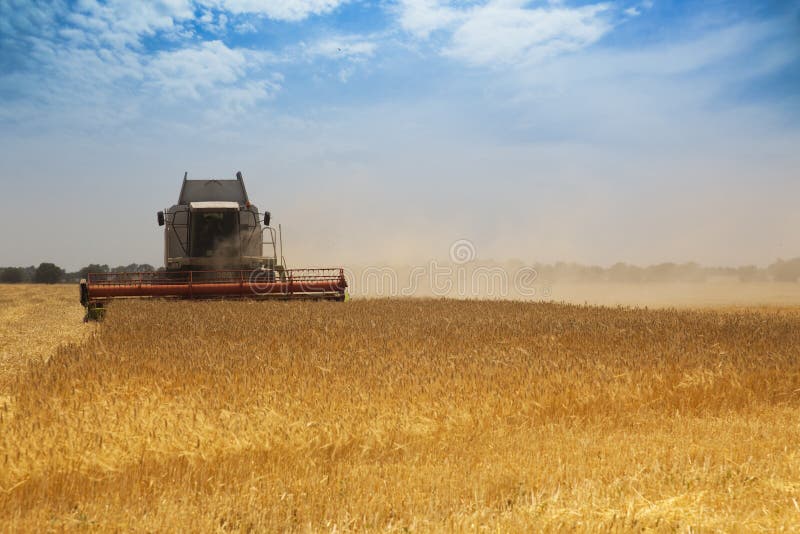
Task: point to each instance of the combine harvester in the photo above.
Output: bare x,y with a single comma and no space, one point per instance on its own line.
215,247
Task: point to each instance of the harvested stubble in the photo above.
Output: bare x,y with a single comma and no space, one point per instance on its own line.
418,414
34,320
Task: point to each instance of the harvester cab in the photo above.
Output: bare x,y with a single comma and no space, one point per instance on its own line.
214,226
216,245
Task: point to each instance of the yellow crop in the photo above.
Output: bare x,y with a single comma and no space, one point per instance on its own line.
424,415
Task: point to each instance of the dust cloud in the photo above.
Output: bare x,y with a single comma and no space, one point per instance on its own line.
664,285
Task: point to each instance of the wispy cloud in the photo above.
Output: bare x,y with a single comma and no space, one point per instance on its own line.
215,24
351,47
505,31
349,52
423,17
638,9
97,54
292,10
118,24
194,71
508,32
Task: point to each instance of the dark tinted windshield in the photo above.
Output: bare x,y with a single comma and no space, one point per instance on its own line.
213,233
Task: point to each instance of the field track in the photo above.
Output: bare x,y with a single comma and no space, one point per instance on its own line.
424,415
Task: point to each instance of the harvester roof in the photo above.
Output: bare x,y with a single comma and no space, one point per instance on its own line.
212,191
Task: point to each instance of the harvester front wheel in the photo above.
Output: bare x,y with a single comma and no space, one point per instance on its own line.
94,313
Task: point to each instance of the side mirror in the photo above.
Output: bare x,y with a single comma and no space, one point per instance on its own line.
266,218
160,216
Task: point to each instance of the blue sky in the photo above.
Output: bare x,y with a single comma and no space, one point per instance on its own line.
639,131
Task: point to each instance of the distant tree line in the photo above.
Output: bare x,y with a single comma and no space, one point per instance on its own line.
779,271
50,273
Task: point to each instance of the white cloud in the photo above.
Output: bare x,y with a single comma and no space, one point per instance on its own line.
245,27
236,99
345,73
188,72
119,23
341,47
422,17
635,11
97,61
667,94
347,52
287,10
506,31
216,25
29,18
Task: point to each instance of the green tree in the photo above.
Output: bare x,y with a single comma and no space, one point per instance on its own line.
133,268
48,273
93,268
12,275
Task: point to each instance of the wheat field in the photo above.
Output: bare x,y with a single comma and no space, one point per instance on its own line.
398,415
